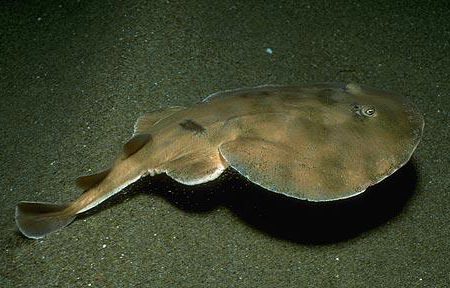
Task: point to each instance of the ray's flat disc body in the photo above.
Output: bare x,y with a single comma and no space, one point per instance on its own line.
321,142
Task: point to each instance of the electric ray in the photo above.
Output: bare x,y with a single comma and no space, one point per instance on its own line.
319,143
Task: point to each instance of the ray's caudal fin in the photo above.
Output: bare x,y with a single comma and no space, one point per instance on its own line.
37,219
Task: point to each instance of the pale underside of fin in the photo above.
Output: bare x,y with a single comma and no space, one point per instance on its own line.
278,168
196,168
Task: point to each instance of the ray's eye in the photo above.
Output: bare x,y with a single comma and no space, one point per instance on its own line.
363,110
368,111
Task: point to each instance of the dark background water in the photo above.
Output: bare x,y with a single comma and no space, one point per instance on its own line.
76,74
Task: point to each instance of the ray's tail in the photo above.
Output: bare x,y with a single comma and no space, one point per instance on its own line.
37,219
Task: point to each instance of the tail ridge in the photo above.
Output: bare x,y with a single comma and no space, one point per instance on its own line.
37,219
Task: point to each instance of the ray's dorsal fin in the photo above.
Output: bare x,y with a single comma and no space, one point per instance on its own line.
147,121
89,181
136,143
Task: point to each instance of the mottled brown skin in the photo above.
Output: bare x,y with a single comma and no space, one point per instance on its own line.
319,143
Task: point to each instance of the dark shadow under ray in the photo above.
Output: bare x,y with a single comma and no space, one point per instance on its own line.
327,222
280,216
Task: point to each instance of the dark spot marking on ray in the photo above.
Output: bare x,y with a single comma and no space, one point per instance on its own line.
193,126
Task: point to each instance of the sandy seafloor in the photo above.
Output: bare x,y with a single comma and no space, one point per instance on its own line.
76,74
